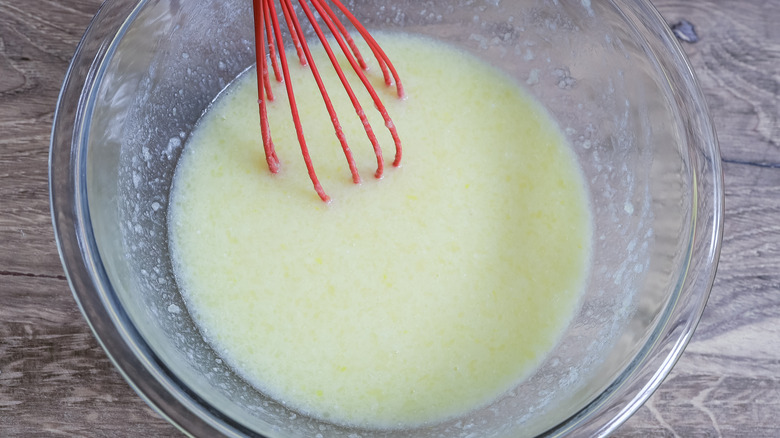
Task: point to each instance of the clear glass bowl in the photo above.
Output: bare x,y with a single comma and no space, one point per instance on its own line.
610,72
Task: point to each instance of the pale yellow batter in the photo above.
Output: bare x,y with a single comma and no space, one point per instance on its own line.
406,300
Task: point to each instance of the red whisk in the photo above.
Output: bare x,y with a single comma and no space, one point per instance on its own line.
267,27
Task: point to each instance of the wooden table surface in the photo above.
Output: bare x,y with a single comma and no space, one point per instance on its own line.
56,380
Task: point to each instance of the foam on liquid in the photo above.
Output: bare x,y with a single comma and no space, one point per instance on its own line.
407,300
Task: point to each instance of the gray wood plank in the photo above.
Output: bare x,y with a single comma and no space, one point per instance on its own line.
737,61
55,380
54,377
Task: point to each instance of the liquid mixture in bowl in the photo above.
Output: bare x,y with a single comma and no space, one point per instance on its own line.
406,300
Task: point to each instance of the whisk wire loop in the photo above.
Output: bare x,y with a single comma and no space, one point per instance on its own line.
318,79
293,106
358,70
271,47
267,26
263,84
379,54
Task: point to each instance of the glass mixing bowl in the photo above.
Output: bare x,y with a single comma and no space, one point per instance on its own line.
609,72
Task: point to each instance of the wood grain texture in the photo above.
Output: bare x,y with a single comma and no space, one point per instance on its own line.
737,62
55,380
34,55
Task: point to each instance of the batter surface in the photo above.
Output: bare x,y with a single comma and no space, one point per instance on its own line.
406,300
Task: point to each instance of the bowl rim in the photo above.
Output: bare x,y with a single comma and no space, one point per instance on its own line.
161,389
